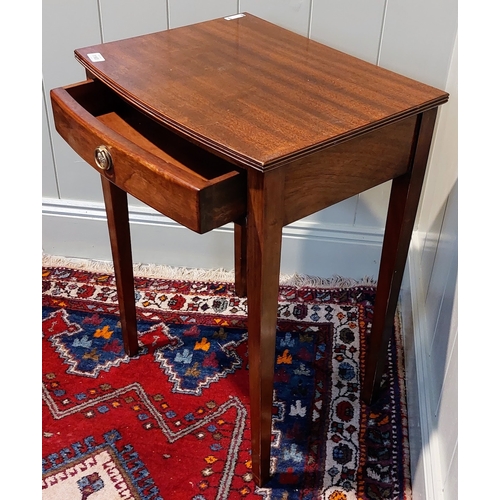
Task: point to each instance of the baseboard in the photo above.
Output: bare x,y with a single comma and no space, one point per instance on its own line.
79,230
424,446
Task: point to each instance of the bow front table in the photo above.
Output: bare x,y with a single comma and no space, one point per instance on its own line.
239,120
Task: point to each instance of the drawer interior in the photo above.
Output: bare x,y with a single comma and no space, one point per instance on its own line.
159,167
118,115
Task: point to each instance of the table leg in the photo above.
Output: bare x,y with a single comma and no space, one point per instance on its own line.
403,204
265,218
240,257
115,200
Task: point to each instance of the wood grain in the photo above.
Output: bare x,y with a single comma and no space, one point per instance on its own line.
403,205
264,225
180,180
339,172
253,92
115,201
240,257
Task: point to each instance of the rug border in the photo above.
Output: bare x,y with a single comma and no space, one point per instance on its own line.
197,274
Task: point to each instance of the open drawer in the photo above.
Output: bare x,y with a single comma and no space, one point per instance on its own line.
168,173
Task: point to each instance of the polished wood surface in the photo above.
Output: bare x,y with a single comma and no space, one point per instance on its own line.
401,213
338,172
119,234
240,256
188,184
242,121
264,226
284,94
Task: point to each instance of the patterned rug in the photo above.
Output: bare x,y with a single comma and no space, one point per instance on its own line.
173,422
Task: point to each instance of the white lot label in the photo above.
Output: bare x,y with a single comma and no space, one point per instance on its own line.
236,16
95,57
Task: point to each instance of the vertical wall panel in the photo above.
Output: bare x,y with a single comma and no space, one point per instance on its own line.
342,213
49,185
352,26
65,27
439,278
435,287
444,273
184,12
441,172
128,18
371,210
447,417
441,300
290,14
450,484
418,39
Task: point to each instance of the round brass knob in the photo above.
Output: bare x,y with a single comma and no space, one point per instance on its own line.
103,158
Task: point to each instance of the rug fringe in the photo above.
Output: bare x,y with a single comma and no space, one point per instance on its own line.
192,274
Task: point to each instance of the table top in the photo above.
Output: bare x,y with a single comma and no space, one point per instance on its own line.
252,92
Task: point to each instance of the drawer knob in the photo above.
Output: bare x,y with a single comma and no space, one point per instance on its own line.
103,158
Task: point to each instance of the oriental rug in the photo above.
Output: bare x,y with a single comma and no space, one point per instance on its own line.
172,423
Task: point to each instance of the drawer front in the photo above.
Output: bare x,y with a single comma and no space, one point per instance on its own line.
168,173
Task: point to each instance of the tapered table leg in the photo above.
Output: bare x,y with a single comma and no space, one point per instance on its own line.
403,204
115,200
265,217
240,257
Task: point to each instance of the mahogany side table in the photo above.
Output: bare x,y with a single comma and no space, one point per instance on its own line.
238,120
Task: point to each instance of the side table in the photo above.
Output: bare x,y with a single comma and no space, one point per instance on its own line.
238,120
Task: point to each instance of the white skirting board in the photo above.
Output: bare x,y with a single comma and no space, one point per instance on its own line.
79,230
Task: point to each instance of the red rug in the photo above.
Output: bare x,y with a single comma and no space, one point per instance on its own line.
173,422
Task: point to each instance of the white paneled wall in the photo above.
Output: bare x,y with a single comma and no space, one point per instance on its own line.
413,38
293,15
418,38
354,27
432,352
49,185
183,12
67,26
128,18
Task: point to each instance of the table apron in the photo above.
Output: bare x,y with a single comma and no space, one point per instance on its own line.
341,171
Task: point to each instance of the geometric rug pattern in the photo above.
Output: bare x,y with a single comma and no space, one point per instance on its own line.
172,423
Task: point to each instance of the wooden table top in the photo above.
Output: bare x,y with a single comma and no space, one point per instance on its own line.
252,92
